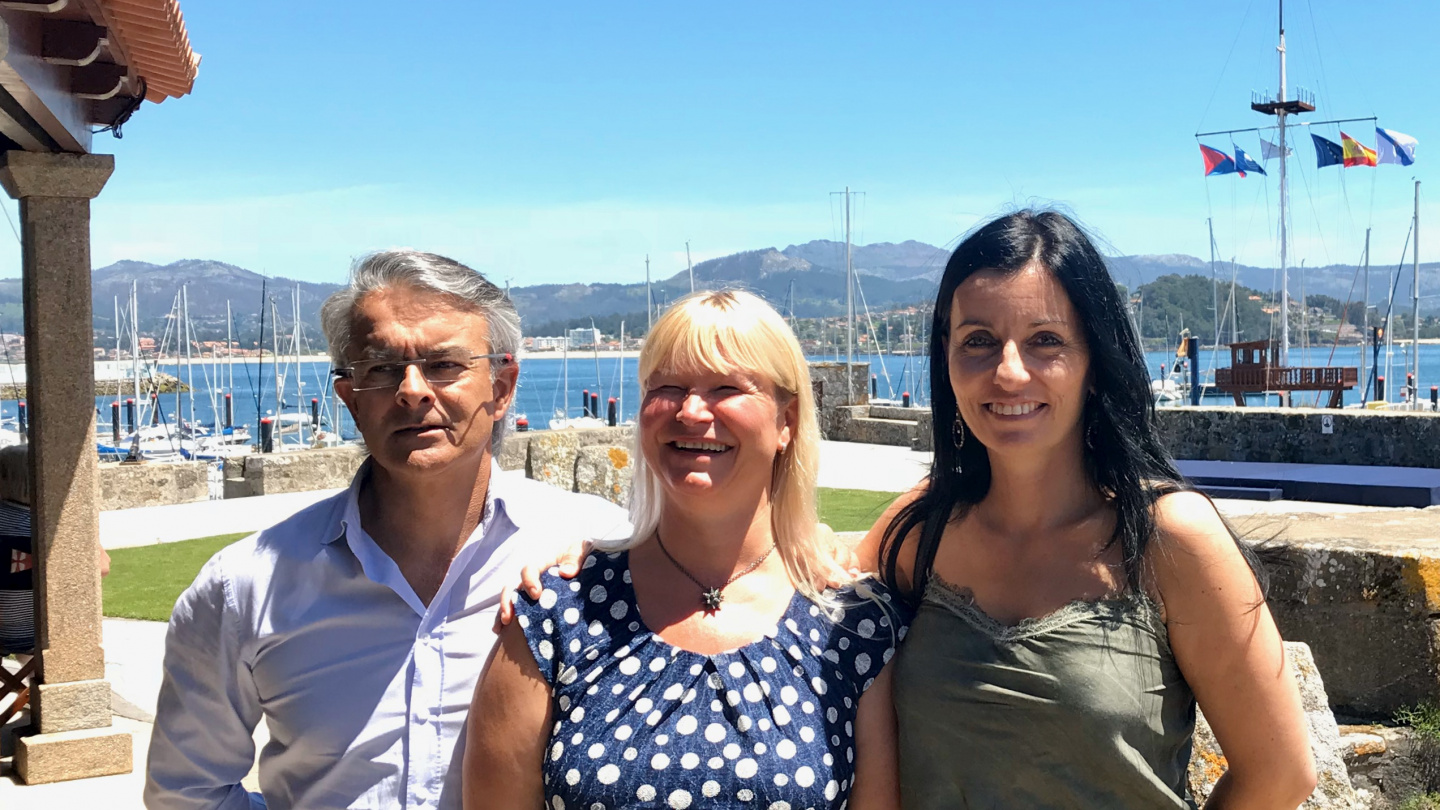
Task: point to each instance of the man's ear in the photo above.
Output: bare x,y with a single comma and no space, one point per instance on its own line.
503,389
345,390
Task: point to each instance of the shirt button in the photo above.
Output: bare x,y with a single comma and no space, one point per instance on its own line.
422,715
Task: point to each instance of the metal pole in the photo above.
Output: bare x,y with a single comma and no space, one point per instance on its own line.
688,266
849,308
1415,317
1365,321
189,360
1284,214
1214,301
649,311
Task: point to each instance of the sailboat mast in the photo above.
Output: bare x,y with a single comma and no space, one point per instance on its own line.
1284,208
1415,310
688,266
620,397
1214,298
229,350
275,358
135,341
189,360
300,377
649,310
849,308
1365,321
119,378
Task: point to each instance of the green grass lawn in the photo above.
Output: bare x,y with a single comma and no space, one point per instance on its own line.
144,582
853,510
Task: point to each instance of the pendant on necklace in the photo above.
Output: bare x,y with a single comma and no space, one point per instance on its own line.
712,599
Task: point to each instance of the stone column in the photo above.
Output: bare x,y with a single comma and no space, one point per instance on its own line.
72,702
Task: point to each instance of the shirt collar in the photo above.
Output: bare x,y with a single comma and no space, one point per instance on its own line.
499,498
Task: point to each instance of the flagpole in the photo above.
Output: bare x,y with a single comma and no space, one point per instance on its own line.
1280,111
1415,316
1365,321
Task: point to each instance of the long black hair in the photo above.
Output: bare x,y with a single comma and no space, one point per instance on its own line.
1124,456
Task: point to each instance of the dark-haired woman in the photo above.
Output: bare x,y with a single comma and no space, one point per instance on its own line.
1074,602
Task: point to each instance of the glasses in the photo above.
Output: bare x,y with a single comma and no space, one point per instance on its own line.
443,369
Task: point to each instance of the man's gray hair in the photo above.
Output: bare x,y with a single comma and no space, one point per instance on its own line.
431,273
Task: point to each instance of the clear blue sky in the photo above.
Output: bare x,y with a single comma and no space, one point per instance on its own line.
564,141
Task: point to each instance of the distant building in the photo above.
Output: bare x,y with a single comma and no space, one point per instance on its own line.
584,337
547,344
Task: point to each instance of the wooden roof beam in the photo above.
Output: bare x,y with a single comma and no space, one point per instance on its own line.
72,42
97,81
37,6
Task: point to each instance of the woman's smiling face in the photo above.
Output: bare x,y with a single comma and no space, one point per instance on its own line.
711,433
1018,359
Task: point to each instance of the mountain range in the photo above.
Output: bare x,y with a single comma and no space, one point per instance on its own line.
806,279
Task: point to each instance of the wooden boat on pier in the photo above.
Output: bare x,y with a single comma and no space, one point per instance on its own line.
1255,369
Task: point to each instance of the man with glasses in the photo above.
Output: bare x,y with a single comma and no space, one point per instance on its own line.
358,628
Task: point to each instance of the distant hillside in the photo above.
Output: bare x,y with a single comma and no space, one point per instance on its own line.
807,279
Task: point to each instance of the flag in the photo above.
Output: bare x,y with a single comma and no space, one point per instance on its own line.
1395,147
1269,150
1244,163
1356,153
1216,162
1327,153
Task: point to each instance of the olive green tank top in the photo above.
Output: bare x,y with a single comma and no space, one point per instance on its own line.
1083,708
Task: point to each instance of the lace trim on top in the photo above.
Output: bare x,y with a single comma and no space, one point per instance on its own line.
1111,611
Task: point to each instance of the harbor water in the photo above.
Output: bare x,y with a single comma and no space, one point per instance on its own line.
540,396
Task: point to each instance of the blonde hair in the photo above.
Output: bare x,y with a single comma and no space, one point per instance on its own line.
732,330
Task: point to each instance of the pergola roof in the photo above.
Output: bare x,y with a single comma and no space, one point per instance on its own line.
151,34
76,65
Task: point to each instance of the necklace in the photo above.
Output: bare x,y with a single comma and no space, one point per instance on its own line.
711,596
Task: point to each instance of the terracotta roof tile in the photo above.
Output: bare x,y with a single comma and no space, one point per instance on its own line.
152,36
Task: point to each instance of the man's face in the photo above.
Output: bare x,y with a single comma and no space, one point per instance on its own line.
420,427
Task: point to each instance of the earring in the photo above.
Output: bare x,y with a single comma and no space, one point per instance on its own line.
958,432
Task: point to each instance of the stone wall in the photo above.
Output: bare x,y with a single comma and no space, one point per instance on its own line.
855,423
1295,436
828,380
1283,435
1363,590
596,461
300,471
121,486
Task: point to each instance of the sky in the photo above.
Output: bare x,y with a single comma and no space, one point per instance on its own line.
565,142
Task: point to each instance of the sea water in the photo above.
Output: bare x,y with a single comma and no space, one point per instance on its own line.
541,394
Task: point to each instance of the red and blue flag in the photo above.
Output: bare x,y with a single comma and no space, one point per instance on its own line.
1216,162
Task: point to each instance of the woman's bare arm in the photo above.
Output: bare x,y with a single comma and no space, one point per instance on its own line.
1231,654
508,729
868,551
877,757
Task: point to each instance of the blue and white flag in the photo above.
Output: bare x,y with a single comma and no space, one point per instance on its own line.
1269,150
1395,147
1245,163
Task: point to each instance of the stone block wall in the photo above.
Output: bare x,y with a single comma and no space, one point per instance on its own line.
832,388
1362,589
1295,436
856,423
300,471
121,486
596,461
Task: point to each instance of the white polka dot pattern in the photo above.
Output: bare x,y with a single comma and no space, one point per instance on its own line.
642,723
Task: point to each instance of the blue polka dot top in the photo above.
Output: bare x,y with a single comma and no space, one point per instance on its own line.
640,723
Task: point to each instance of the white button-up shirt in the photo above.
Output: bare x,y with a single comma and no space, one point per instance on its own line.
363,687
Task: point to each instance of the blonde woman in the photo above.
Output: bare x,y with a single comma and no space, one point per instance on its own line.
698,662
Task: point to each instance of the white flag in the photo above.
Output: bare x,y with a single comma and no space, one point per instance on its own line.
1395,147
1269,150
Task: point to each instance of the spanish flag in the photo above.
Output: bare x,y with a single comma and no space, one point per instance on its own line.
1356,153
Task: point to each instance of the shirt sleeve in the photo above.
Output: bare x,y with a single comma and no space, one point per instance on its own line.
201,745
542,622
873,626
